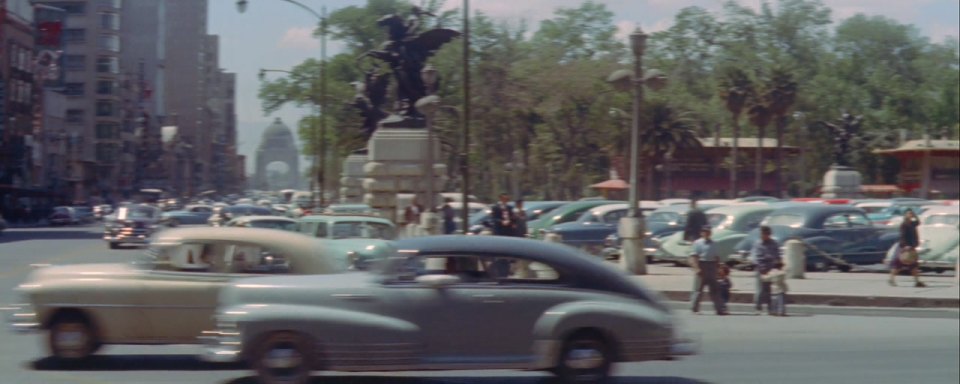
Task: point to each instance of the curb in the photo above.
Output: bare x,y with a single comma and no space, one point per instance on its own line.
834,300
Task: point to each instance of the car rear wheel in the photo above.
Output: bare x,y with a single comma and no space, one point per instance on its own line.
72,338
585,358
283,358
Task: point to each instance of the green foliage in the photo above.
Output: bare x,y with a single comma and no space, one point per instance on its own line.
543,95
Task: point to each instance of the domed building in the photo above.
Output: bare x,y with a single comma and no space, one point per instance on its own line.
277,145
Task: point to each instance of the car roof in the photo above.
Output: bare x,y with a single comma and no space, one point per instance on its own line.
350,217
741,209
815,211
941,210
264,217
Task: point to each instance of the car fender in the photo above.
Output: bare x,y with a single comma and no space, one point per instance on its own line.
886,240
631,328
327,326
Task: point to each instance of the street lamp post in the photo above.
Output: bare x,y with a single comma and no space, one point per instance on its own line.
428,105
631,228
322,19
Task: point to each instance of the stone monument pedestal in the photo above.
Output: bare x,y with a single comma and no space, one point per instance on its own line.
841,182
351,180
396,164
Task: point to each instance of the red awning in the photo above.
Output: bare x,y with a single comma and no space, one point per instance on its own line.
611,184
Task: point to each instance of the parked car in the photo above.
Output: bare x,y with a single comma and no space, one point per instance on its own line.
222,214
360,238
939,232
168,297
593,226
348,209
896,210
836,236
449,302
132,224
269,222
480,221
190,215
565,213
63,215
102,210
84,214
729,226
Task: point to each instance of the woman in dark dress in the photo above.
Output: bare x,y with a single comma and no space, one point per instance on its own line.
909,240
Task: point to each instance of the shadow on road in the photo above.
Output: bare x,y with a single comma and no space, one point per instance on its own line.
471,380
134,363
60,233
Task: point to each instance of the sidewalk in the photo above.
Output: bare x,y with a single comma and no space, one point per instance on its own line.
857,289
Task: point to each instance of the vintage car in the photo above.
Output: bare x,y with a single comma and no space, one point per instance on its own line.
190,215
593,226
939,232
360,238
894,212
168,297
222,214
729,226
269,222
63,215
835,236
565,213
449,302
348,209
131,224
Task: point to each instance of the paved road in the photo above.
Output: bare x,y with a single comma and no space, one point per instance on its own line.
815,345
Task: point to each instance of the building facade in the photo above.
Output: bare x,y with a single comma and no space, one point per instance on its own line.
928,168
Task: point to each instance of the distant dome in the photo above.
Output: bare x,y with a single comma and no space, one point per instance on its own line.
277,130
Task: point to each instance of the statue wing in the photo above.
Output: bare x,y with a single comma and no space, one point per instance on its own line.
430,41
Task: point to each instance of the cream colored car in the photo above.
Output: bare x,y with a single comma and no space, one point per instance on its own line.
168,297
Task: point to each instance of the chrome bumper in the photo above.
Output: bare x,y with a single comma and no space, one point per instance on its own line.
221,346
21,318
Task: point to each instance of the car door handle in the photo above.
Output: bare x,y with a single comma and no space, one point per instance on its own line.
489,299
353,296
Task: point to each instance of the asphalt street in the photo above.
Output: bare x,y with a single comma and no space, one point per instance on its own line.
813,345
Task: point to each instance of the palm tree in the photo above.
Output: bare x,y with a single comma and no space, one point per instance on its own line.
781,97
760,116
668,131
735,89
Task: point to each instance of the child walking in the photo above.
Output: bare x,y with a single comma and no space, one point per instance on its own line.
778,291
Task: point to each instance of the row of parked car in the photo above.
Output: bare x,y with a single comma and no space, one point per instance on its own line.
335,292
839,233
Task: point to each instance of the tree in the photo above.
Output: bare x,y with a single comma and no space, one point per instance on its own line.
735,90
667,130
760,116
780,98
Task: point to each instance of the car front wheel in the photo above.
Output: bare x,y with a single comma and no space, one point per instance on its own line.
283,358
72,338
585,358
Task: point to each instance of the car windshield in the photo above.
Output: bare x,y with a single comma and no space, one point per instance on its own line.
136,212
363,230
792,221
275,224
717,220
664,217
942,220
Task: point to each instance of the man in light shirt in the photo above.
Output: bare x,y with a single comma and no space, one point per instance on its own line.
705,260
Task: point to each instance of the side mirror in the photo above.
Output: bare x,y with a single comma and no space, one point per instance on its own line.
438,281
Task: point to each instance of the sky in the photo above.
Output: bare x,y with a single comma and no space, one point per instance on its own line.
276,34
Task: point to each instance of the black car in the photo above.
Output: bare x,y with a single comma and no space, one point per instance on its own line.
132,224
835,236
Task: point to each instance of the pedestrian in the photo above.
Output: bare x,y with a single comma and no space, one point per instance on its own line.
520,217
766,257
723,280
502,216
905,255
705,260
411,215
778,291
449,225
696,219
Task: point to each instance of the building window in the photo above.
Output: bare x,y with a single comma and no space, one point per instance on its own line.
73,8
75,62
109,42
104,108
108,65
76,116
106,87
74,35
105,153
110,21
107,131
74,89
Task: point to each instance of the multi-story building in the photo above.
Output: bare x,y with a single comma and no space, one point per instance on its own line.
20,164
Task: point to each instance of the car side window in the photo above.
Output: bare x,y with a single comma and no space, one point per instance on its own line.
858,220
613,217
837,221
321,230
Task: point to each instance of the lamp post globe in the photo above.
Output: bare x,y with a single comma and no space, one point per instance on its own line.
638,42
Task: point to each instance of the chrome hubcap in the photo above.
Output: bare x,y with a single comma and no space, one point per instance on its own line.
70,340
584,358
283,358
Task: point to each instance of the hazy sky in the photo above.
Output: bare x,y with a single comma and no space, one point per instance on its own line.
276,34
